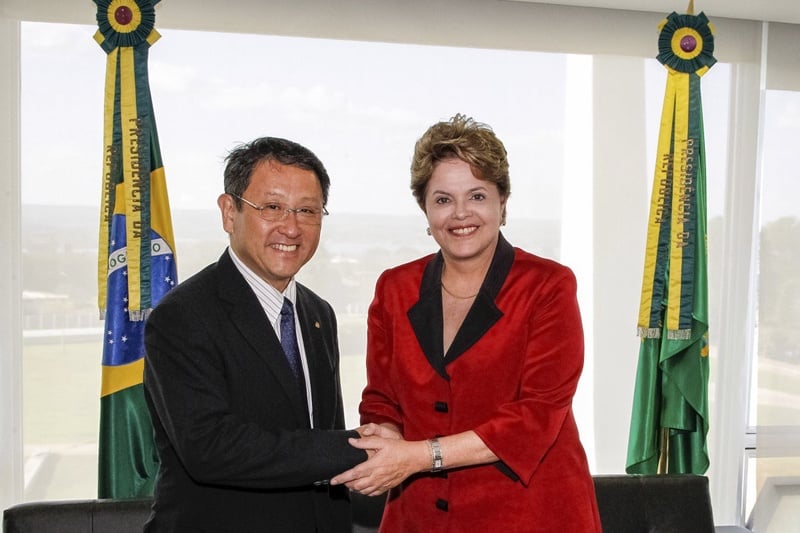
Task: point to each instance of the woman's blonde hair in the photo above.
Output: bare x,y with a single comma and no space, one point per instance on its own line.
463,138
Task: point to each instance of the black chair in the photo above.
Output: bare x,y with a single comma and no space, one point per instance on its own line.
77,516
662,503
628,504
128,516
367,512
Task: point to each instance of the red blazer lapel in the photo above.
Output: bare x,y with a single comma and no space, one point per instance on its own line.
426,315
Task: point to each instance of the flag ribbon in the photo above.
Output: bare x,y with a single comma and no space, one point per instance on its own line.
686,44
126,32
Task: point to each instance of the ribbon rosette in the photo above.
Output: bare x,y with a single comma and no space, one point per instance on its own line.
686,43
125,22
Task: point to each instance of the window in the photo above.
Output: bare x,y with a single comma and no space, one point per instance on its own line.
775,466
778,343
360,106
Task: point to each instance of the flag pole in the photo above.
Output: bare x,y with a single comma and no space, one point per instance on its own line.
663,451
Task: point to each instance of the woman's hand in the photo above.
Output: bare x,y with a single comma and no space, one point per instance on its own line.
391,462
387,431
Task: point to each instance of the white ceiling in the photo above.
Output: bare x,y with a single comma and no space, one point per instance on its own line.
787,11
766,10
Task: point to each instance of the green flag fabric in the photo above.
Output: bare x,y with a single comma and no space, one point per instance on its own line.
669,422
136,260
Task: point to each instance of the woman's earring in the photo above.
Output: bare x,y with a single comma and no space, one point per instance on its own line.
428,230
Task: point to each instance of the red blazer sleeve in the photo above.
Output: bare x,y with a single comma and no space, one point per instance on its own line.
522,432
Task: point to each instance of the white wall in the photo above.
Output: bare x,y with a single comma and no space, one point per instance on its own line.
10,283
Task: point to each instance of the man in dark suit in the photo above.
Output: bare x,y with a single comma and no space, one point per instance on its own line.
248,415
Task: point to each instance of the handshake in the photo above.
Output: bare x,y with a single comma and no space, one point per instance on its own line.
390,460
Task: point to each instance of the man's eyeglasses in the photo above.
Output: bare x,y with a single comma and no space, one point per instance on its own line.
275,212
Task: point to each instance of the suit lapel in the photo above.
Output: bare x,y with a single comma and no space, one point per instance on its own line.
249,318
426,315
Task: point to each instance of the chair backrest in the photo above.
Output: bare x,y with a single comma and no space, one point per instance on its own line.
77,516
367,512
628,504
672,502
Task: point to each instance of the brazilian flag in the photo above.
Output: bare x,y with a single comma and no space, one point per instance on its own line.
669,423
136,260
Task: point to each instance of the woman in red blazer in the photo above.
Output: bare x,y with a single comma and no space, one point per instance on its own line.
473,358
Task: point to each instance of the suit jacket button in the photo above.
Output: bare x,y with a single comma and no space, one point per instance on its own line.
441,505
441,407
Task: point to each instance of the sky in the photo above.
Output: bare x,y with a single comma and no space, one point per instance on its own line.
359,106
